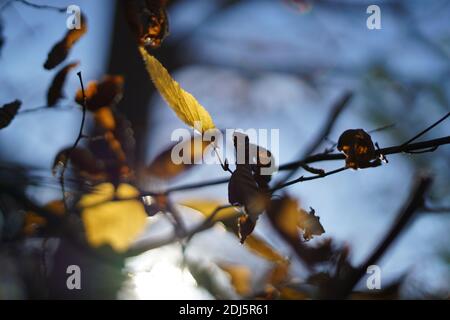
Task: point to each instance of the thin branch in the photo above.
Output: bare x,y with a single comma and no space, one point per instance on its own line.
323,133
77,140
415,202
42,108
41,6
154,244
312,159
302,178
426,130
429,209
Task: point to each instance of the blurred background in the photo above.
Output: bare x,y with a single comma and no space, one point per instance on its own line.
270,64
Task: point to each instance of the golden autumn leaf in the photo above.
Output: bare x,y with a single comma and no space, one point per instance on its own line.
240,277
253,243
112,222
206,207
262,248
163,165
287,293
278,274
186,107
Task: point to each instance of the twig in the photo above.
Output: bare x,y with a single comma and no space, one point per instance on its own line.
429,209
323,133
426,130
205,225
302,178
40,6
414,203
42,108
77,140
312,159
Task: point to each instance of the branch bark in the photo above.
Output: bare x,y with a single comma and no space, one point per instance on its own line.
415,202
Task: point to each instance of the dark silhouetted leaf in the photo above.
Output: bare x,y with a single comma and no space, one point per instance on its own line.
54,93
8,112
358,148
61,49
81,159
106,93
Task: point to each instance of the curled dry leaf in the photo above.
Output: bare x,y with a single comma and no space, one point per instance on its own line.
8,111
358,148
186,107
164,166
105,93
111,216
61,49
287,217
240,277
54,92
310,224
148,20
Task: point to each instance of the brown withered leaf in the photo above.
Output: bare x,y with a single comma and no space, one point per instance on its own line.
54,92
310,224
8,111
34,222
164,167
148,20
81,159
61,49
105,93
358,148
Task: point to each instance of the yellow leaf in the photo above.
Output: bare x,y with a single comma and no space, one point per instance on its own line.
186,107
287,293
113,222
240,277
253,243
261,248
279,273
207,207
